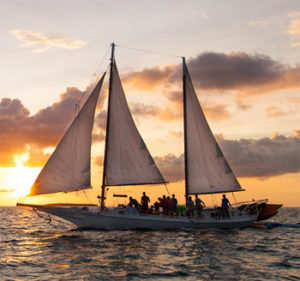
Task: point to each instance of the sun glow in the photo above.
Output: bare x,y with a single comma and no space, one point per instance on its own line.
21,178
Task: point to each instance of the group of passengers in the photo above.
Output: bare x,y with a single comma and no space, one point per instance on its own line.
168,205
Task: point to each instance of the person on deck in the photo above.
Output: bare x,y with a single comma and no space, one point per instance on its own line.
156,207
164,203
144,202
190,207
199,205
170,206
175,204
225,206
133,203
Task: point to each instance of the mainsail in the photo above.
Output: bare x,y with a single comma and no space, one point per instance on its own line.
68,168
207,168
128,159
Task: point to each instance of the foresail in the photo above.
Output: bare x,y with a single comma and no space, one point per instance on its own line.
208,170
68,168
128,159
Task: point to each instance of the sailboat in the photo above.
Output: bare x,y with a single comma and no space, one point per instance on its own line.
127,161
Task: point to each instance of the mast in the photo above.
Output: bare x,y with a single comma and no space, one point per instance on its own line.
185,130
112,59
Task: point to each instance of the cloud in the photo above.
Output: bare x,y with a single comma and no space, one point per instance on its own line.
261,158
250,74
148,78
141,109
167,113
175,134
43,42
274,112
294,14
246,74
240,72
21,132
295,100
160,113
216,112
294,32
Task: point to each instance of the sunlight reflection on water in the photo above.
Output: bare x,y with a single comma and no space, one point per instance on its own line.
33,249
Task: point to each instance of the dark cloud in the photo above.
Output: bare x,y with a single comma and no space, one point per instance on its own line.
264,157
229,71
248,74
12,109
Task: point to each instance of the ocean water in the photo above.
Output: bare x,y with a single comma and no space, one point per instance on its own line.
32,248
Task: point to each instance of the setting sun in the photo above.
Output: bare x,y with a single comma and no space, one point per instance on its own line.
19,179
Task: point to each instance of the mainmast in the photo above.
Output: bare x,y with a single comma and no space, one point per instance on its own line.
112,61
185,130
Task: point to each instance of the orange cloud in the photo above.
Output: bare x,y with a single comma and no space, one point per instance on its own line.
274,112
148,78
176,134
294,32
43,42
216,112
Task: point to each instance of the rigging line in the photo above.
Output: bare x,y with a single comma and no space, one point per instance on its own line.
235,201
102,61
67,118
93,81
148,51
167,189
180,167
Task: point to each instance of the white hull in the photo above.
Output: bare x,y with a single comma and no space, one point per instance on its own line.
129,218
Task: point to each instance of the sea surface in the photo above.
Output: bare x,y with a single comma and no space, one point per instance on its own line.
33,248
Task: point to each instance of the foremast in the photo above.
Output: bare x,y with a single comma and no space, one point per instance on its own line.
103,186
127,160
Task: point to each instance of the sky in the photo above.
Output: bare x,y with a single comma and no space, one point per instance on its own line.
243,57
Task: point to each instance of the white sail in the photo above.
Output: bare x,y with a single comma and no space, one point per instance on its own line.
207,168
68,168
128,159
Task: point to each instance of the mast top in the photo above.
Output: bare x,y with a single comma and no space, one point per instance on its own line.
183,66
112,57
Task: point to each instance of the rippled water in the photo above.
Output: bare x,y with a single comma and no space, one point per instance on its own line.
31,248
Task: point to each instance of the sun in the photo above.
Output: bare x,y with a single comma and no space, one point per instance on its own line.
21,178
